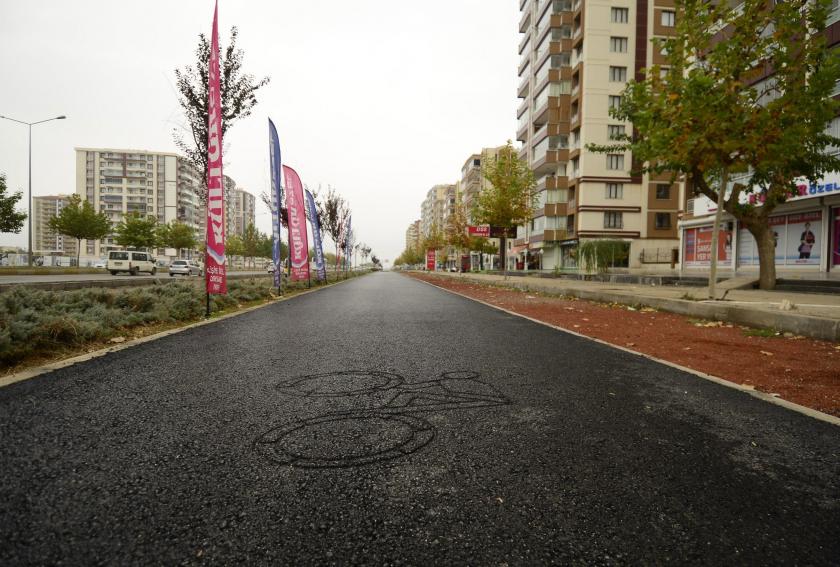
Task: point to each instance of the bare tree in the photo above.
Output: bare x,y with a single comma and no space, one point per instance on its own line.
238,94
333,212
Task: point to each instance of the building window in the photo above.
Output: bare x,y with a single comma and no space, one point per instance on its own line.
618,44
613,219
669,18
618,74
619,15
663,221
615,191
615,131
615,161
615,101
663,191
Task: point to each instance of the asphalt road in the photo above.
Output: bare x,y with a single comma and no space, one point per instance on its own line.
383,421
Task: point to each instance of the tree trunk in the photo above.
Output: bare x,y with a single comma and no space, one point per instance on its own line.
724,181
78,252
766,244
503,253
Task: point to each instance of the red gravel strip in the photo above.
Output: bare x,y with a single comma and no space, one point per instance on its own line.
799,369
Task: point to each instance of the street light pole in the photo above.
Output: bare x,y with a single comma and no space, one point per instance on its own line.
29,201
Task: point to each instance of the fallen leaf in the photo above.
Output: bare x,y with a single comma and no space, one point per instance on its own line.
117,340
631,344
765,353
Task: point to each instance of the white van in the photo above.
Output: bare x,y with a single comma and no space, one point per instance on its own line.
131,262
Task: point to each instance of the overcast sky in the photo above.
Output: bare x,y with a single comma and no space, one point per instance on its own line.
380,98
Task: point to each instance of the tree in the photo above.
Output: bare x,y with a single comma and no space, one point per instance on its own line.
237,91
510,200
333,212
457,228
234,246
79,220
10,219
265,246
176,235
706,117
250,241
136,231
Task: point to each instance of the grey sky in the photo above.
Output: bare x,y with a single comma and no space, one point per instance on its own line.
380,98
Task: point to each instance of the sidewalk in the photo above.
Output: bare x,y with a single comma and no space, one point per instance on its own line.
810,314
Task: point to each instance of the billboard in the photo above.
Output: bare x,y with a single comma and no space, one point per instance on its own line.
430,260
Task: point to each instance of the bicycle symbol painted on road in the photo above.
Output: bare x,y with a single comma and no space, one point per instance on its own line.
381,423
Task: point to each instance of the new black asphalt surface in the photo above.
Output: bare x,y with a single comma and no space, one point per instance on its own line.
383,421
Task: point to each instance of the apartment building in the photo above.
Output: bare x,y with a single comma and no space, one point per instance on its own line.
45,240
436,207
412,236
118,182
473,182
576,58
159,184
241,209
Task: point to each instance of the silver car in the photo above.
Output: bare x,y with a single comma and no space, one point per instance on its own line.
184,268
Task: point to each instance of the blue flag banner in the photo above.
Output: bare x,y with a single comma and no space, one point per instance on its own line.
276,200
320,266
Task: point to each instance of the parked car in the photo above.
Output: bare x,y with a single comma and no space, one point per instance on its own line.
131,262
184,268
100,264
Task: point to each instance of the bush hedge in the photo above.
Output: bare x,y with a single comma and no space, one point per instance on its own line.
36,321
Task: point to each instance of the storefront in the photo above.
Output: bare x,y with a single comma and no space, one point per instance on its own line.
806,230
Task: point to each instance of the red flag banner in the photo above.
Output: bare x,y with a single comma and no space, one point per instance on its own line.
430,260
214,265
298,242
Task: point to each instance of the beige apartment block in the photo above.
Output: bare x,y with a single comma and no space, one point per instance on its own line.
412,235
473,182
241,211
576,59
435,208
159,184
119,181
45,240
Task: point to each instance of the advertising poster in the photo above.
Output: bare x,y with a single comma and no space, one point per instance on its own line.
430,260
698,246
835,242
803,244
748,249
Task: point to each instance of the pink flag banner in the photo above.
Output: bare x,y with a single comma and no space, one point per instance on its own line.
298,241
214,265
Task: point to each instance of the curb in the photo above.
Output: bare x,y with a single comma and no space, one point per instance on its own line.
808,325
804,410
46,368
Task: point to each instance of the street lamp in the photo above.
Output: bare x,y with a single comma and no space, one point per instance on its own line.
29,202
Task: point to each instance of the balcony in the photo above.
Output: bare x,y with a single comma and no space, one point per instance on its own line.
522,90
554,235
522,133
525,40
525,21
556,209
571,206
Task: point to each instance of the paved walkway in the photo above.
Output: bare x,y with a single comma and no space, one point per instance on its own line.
812,304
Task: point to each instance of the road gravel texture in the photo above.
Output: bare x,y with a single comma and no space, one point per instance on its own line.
383,421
